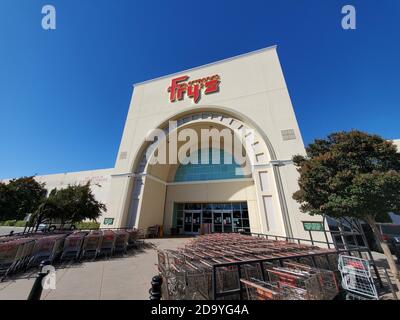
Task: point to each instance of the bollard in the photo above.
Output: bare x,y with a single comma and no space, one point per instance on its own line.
155,291
37,287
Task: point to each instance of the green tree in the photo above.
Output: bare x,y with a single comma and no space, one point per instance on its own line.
19,197
5,202
351,174
73,203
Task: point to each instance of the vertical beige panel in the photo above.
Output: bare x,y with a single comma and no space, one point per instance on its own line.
269,213
264,181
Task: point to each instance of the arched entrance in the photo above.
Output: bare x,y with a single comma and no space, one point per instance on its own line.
157,194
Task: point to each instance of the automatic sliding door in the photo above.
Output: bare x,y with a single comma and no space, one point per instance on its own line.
228,221
216,217
192,222
187,222
196,217
217,221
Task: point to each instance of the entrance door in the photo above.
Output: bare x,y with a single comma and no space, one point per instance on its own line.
227,221
196,222
192,222
187,222
217,221
223,221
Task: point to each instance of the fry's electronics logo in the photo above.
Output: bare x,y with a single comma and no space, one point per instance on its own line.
193,89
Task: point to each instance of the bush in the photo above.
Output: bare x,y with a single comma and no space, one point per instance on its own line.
10,223
20,223
87,225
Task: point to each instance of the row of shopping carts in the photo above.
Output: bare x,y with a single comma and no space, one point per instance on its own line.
287,271
294,281
21,252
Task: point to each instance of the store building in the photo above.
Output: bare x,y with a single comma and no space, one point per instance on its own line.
245,95
240,174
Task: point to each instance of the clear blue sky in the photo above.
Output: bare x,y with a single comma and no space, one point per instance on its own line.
64,94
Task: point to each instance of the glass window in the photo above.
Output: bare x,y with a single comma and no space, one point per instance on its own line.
236,206
214,169
207,214
237,223
224,217
236,214
179,219
193,206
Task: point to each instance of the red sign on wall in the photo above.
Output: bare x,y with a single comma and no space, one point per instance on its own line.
193,89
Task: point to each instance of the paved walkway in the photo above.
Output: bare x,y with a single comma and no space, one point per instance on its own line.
6,230
117,278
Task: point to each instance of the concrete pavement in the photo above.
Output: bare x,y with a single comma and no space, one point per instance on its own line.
6,230
117,278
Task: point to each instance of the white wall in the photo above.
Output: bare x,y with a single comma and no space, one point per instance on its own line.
397,143
99,182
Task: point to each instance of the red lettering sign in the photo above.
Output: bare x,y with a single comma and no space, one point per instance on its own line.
193,89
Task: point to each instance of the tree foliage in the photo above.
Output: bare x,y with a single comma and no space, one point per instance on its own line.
19,197
74,203
350,174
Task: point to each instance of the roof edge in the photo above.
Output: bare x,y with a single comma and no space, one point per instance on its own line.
207,65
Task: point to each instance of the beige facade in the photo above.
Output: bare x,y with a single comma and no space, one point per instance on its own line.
252,96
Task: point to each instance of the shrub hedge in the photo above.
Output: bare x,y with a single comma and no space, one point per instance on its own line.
13,223
87,225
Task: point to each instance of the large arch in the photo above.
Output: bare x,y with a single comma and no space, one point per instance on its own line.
224,111
261,147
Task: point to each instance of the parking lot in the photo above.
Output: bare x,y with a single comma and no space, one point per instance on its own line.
119,278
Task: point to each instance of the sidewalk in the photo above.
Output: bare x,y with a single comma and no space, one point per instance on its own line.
117,278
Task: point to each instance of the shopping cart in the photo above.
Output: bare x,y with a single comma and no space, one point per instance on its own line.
356,276
73,245
260,290
46,248
26,252
107,243
134,238
91,245
121,241
14,255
